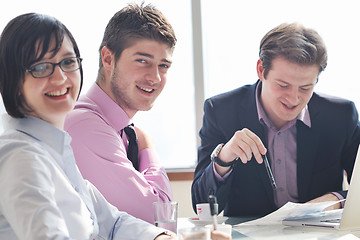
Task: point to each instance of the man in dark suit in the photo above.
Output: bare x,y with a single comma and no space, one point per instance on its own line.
309,139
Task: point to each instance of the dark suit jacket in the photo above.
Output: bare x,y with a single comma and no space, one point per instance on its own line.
324,151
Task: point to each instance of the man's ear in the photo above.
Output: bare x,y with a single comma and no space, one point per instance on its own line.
260,70
107,58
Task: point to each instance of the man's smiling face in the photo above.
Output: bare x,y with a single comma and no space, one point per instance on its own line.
140,75
287,89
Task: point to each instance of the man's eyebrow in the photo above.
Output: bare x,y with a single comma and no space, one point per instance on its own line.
152,57
144,55
306,85
281,81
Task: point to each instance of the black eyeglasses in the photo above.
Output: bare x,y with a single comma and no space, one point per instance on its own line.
45,69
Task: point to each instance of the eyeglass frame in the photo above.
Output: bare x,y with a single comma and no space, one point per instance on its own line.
79,59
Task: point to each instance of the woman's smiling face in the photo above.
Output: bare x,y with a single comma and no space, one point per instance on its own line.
52,97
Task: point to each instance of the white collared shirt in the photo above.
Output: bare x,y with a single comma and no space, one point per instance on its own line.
43,195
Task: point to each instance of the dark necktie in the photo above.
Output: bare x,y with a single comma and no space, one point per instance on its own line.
132,152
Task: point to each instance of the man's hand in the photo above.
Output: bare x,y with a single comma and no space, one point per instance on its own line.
327,198
244,144
216,235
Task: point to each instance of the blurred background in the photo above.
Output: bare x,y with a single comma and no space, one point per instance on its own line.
217,50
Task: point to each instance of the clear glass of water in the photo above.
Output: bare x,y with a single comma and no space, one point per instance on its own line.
166,215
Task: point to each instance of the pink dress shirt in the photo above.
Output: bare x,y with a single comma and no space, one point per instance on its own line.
95,126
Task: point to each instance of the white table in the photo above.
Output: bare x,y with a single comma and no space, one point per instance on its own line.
280,232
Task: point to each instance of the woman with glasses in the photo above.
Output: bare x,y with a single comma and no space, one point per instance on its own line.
43,195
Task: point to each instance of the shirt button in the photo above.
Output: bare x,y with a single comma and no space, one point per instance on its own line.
279,133
76,189
281,189
278,161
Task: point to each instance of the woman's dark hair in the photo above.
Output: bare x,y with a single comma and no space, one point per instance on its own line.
24,41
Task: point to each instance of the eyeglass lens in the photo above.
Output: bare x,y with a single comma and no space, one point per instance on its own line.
46,69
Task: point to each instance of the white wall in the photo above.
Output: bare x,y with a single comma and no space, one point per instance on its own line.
182,194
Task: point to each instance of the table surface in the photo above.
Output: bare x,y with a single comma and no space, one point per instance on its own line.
278,232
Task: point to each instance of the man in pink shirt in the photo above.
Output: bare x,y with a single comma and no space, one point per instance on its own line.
135,55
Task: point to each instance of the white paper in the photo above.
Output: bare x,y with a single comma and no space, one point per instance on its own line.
290,209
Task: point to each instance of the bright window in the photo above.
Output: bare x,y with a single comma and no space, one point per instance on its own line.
232,31
171,122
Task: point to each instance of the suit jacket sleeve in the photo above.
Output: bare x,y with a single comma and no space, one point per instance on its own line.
351,144
205,181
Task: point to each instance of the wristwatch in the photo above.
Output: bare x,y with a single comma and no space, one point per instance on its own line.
214,157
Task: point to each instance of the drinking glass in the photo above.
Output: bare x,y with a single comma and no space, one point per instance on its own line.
166,215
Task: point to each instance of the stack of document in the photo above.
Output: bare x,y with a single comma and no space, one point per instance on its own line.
293,211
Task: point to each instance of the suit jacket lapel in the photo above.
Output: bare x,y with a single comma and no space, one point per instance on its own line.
253,124
260,132
307,146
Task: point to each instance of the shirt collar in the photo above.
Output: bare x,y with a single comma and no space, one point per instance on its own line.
113,113
303,116
40,130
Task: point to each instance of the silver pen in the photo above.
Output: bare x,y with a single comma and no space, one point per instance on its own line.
269,172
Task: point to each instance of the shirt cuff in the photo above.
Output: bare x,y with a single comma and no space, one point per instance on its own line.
340,197
217,175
